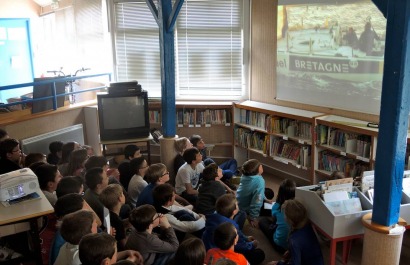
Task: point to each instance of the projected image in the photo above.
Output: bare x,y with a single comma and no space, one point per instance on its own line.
331,55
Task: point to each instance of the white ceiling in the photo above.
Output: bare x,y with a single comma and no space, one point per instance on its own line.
43,2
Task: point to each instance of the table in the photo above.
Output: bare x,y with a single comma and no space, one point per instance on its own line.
27,211
347,244
129,141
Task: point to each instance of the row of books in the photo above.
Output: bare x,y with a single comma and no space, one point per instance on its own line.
336,137
331,162
275,147
154,116
203,117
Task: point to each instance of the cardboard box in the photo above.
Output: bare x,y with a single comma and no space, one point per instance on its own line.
336,226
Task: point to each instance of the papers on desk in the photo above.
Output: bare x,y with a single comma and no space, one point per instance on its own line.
344,207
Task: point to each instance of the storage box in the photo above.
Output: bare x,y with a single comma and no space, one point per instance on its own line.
336,226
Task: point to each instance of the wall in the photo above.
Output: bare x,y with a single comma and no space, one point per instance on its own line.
19,9
263,62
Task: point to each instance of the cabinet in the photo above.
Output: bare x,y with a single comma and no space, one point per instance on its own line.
211,120
281,138
344,145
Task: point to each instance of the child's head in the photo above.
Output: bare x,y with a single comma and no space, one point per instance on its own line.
76,225
48,177
56,147
112,196
211,172
3,135
77,160
192,154
197,141
191,251
96,178
142,217
68,203
286,191
70,184
132,151
295,213
66,151
181,144
225,236
227,205
90,150
138,166
225,261
10,149
34,157
252,167
96,161
157,173
98,249
163,195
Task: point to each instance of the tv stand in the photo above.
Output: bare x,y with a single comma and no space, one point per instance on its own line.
128,141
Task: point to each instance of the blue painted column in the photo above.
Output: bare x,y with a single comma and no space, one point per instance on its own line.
391,146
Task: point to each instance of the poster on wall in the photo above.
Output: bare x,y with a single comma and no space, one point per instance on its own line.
331,55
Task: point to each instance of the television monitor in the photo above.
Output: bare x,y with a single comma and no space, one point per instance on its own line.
45,90
123,115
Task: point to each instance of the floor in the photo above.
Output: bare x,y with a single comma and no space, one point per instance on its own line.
355,257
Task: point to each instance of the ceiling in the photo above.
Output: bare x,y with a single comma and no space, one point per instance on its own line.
43,2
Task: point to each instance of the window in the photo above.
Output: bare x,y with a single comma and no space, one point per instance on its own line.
208,48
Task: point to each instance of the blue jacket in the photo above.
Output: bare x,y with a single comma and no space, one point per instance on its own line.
212,222
280,237
250,195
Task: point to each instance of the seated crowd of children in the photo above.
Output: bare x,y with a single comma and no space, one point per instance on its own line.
132,215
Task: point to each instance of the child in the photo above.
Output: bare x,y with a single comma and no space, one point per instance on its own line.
155,249
225,238
190,252
181,144
138,166
251,191
74,227
113,199
304,247
55,152
226,209
75,166
33,158
48,179
276,228
187,178
210,189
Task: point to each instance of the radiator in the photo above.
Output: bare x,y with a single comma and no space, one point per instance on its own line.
40,143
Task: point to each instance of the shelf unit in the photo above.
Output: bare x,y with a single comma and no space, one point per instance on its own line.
344,145
281,138
211,120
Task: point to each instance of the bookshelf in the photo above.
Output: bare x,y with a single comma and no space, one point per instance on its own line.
211,120
281,138
344,145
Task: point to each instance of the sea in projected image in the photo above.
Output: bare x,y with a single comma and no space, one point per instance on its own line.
331,55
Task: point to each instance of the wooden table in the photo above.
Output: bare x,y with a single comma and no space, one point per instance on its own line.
129,141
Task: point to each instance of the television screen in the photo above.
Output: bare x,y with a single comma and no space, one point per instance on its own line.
131,110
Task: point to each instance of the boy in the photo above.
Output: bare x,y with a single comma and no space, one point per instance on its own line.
155,249
10,155
187,179
226,209
55,152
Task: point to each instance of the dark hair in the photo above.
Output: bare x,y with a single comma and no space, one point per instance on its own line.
286,191
191,251
3,133
93,177
195,139
135,164
32,158
110,195
142,216
36,165
66,151
154,172
125,174
225,235
7,146
68,185
190,154
295,214
130,150
210,172
76,161
76,225
94,248
95,161
46,173
55,147
251,167
68,203
225,261
226,205
162,194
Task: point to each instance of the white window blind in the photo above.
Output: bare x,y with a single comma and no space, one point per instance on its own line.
208,43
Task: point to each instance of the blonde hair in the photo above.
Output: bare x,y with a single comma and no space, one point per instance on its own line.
180,144
109,196
154,172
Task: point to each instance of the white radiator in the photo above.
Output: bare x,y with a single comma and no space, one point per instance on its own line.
40,143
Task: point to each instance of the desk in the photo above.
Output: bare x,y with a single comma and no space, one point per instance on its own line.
130,141
28,211
347,244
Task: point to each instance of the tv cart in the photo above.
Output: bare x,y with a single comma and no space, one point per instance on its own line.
128,141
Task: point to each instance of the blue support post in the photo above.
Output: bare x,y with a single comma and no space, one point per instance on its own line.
391,146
